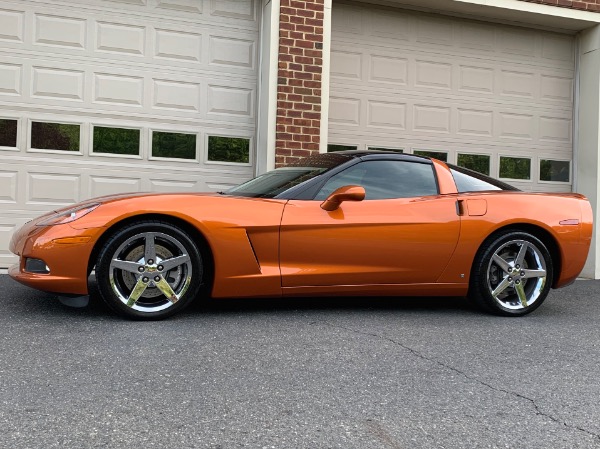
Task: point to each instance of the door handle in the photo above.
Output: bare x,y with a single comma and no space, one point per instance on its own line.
460,208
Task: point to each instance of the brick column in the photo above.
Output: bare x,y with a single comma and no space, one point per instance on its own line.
585,5
299,80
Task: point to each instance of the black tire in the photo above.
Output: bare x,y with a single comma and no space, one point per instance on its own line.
149,270
512,274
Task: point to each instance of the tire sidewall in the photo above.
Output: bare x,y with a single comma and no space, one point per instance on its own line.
112,244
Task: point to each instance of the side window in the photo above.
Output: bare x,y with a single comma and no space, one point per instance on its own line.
385,180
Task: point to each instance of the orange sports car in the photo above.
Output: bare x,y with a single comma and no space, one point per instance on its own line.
346,223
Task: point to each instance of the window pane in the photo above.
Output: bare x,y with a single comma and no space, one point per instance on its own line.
385,179
8,133
442,156
476,162
554,170
228,149
515,167
54,136
116,140
397,150
332,148
471,181
176,145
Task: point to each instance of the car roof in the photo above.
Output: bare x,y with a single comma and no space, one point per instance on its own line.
382,154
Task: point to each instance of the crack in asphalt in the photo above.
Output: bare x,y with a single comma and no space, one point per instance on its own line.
416,353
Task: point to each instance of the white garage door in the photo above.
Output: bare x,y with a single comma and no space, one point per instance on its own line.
491,97
99,97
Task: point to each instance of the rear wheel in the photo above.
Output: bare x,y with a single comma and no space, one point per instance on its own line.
512,274
149,270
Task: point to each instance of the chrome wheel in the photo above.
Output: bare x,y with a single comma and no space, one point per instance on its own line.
512,273
516,274
150,271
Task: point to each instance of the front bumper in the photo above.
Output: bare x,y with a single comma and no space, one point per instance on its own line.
65,250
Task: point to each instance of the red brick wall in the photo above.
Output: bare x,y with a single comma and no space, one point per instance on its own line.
299,80
585,5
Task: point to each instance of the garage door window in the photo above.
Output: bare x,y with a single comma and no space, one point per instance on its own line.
173,145
515,167
333,147
557,171
476,162
228,149
119,141
55,136
397,150
8,133
441,155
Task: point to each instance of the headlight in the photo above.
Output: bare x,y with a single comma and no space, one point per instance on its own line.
68,216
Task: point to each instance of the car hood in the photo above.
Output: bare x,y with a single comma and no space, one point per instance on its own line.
124,196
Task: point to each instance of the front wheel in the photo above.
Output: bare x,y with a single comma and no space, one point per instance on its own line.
149,270
512,274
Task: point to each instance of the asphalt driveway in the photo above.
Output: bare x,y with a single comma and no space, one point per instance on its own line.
319,373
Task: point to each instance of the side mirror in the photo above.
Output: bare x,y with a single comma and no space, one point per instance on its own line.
346,193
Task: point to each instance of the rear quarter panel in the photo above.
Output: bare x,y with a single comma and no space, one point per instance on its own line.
493,211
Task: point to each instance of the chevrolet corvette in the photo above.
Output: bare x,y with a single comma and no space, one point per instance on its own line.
346,223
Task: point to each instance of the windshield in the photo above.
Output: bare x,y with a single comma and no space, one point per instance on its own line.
275,182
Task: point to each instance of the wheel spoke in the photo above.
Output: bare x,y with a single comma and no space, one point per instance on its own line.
125,265
138,290
522,252
149,248
534,273
173,262
166,290
522,295
501,263
501,287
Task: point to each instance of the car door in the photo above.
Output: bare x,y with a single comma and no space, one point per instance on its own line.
403,232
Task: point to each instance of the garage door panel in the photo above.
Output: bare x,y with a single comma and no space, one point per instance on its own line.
60,31
109,185
8,186
118,89
183,6
55,83
125,38
7,229
11,78
557,88
179,45
12,25
476,79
